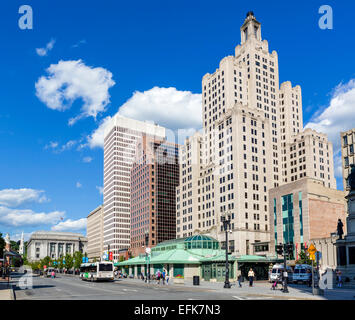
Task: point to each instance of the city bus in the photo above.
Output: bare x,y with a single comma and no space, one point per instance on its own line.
96,271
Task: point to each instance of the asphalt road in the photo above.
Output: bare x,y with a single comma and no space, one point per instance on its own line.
72,288
66,287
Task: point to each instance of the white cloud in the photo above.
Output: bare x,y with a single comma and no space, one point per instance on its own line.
44,51
78,185
87,159
101,189
79,43
71,80
25,217
56,148
338,117
17,197
16,237
70,225
96,139
168,107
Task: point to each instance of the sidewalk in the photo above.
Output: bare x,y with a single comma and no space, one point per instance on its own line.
259,289
6,292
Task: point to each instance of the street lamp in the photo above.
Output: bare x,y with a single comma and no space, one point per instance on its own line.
147,254
226,222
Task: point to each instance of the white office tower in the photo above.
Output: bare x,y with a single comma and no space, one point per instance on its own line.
249,123
119,152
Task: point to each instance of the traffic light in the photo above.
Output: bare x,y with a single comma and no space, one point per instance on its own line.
279,249
289,248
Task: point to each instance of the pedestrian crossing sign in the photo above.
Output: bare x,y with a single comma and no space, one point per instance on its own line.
312,256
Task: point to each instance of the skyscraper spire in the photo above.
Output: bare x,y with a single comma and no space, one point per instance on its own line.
21,249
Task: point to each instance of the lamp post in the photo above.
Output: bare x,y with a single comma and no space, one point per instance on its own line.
226,223
147,254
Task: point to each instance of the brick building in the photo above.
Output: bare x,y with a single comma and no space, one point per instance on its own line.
303,211
154,178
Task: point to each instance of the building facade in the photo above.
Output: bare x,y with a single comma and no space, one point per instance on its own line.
120,140
54,244
303,211
347,155
154,178
95,233
252,128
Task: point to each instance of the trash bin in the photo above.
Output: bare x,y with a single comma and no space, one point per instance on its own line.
196,280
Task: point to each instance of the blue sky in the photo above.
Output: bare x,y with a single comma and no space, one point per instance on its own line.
142,44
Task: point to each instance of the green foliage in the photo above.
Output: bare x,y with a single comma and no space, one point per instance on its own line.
121,258
15,246
69,261
61,263
303,258
78,257
46,261
2,245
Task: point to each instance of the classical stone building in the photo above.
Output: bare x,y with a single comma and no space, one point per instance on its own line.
95,233
54,244
347,154
303,211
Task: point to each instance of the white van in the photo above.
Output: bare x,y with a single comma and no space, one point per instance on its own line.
276,273
302,273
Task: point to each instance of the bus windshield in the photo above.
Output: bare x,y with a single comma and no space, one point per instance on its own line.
105,267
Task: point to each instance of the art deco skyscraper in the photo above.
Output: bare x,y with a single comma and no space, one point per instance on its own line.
249,123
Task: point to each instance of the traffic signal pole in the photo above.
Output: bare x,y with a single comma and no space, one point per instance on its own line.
284,275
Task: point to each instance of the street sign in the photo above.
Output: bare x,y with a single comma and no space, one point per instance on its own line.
148,250
312,249
312,256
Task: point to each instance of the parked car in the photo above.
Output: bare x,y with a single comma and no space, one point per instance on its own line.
302,273
276,273
48,272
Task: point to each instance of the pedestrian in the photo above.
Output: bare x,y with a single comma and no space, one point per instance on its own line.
167,278
251,275
158,276
163,276
339,279
53,274
240,280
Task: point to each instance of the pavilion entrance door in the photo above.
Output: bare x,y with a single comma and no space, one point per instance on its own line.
207,271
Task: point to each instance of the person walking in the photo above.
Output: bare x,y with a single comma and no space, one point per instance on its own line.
251,275
167,278
163,276
158,276
339,279
240,280
53,274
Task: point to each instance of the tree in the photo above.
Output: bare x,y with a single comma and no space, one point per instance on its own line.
69,261
78,257
46,261
61,263
15,246
304,259
2,245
